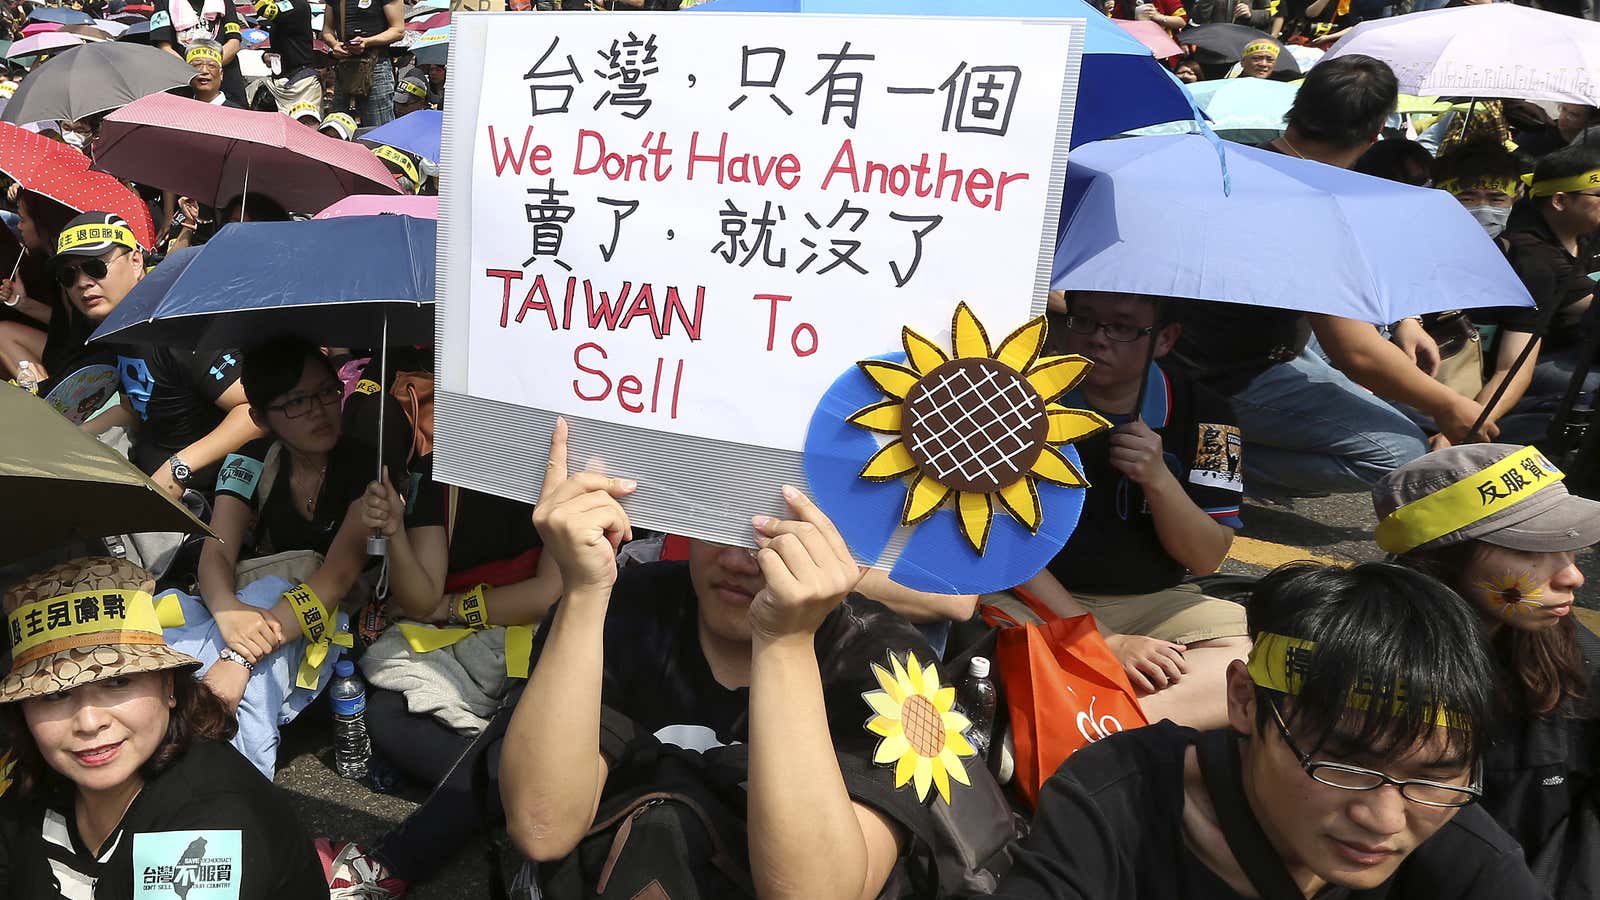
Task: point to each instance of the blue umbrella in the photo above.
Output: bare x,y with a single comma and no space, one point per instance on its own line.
61,15
416,133
433,53
137,33
1135,219
1121,85
1248,110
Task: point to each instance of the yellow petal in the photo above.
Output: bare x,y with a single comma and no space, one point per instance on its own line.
941,781
883,417
967,334
923,500
886,728
1021,500
1056,469
911,661
957,743
930,680
922,776
923,354
1068,425
976,519
889,685
954,765
890,462
1021,347
954,721
891,378
1055,375
916,674
945,699
904,768
882,704
891,749
900,675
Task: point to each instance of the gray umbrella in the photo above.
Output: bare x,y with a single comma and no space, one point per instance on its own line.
94,78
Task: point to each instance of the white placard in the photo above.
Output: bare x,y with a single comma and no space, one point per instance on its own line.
694,223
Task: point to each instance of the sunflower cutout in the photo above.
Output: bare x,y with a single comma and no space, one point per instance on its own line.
921,730
1511,595
978,425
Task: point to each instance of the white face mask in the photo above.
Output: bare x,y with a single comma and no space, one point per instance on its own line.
75,139
1492,218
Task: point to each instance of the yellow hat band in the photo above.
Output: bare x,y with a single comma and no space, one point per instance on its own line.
1569,185
90,235
1478,496
90,618
390,154
414,89
1267,47
203,54
305,109
1507,185
1280,663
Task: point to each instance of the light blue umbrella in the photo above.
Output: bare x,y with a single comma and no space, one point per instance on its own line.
1248,110
417,133
1121,85
1136,219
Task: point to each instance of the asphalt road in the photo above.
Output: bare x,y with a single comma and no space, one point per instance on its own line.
1330,528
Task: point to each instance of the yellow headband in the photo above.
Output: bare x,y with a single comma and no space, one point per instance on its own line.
390,154
87,619
1569,185
206,54
1507,185
414,89
1478,496
87,235
1267,47
303,109
1280,663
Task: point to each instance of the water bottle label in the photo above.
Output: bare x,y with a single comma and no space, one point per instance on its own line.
350,706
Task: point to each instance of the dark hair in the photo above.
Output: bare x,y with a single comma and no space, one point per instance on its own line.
199,715
1344,101
1384,625
1540,670
1388,159
270,370
1056,323
258,207
1188,59
1478,158
49,217
1573,159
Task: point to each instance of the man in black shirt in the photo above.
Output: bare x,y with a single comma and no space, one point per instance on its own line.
178,23
1358,729
294,83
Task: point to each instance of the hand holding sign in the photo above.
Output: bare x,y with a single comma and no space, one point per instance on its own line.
580,520
808,568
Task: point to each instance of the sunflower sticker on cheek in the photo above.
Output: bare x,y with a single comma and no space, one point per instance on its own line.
922,732
1511,594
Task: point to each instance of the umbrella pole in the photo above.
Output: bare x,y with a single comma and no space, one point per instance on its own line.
1546,316
377,544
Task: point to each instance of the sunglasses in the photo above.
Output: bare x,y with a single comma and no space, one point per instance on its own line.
94,267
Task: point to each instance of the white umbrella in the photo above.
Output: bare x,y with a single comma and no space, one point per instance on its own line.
1487,50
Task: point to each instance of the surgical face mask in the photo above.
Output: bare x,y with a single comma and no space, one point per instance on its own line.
75,139
1492,218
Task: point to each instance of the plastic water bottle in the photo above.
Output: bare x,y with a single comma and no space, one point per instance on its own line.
351,746
977,697
27,377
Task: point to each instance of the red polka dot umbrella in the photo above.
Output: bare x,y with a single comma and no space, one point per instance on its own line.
54,170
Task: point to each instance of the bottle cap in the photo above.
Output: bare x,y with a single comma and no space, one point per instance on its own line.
978,667
344,668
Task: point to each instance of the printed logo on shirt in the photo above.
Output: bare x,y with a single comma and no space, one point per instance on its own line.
239,475
1219,458
160,20
187,865
136,382
221,369
1554,781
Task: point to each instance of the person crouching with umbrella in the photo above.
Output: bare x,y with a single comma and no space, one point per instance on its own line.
123,771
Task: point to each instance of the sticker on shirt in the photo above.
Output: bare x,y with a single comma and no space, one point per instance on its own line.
137,382
160,20
239,475
367,386
1219,458
188,865
230,28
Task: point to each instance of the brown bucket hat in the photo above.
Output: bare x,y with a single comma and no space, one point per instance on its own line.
84,621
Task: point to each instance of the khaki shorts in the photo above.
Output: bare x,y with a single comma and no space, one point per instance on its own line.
1180,614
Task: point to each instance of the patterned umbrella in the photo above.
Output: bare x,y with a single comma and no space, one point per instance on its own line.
52,169
42,43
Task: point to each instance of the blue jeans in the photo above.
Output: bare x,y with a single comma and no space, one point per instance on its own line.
1310,430
378,107
1529,420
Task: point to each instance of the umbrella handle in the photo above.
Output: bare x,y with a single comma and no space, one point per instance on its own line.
377,544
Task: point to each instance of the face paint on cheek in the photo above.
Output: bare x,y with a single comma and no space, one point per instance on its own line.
1510,594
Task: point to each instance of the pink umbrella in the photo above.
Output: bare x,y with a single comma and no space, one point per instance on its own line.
380,204
40,28
437,20
43,43
1153,36
225,152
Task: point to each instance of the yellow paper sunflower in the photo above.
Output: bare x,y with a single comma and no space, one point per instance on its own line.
979,425
921,731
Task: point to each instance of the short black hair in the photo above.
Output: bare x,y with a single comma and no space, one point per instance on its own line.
1478,158
1389,626
1388,160
1573,159
270,370
258,207
1344,101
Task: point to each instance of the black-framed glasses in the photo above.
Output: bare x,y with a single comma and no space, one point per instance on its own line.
297,406
1355,778
1117,331
92,266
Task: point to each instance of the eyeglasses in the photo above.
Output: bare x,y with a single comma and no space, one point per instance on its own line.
1116,331
1355,778
94,267
295,407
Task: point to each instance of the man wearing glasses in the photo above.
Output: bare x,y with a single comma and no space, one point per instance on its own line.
1349,769
191,407
1162,504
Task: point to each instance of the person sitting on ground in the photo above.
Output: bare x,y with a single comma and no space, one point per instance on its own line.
1350,768
1189,70
1495,523
338,125
1552,240
1261,357
1162,504
29,327
1317,23
206,85
1259,59
124,783
410,94
177,25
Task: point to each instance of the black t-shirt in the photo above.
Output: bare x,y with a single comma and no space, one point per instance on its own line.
1226,345
66,349
280,526
1551,275
1298,23
487,528
209,824
175,393
361,17
221,26
291,35
1110,826
1115,548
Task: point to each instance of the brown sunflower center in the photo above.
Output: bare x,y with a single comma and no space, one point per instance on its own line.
923,726
974,425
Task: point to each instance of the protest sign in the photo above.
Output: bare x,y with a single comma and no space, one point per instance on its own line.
678,230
